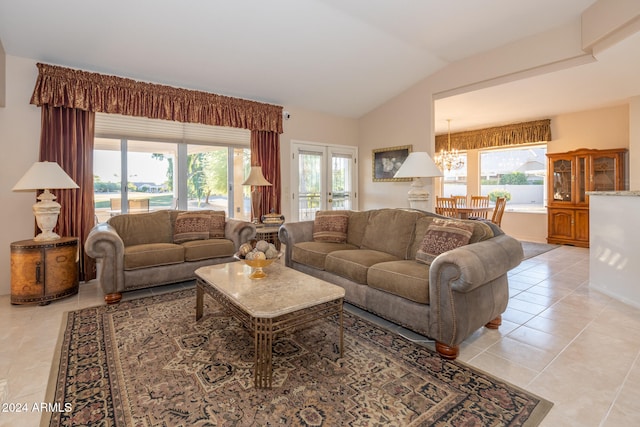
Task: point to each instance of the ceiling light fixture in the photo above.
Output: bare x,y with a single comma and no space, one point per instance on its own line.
449,159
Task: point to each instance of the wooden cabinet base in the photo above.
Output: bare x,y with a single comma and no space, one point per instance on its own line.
43,271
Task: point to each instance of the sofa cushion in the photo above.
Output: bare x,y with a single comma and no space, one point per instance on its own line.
353,264
137,229
197,250
405,278
191,226
390,231
330,226
217,224
314,253
357,225
442,236
152,254
481,231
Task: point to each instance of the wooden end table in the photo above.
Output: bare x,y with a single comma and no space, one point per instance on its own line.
43,270
283,300
269,233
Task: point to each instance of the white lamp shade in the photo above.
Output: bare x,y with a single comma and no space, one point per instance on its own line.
418,165
256,178
44,175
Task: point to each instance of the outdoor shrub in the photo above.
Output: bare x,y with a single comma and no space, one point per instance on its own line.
499,193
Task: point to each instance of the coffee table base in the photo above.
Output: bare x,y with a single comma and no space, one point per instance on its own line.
264,329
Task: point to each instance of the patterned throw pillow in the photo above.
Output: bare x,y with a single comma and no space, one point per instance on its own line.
216,230
330,226
191,226
443,235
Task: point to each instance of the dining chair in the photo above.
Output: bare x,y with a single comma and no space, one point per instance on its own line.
480,202
461,201
501,203
446,206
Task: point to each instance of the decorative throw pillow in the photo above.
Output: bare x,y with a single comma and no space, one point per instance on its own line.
443,235
330,226
218,220
191,226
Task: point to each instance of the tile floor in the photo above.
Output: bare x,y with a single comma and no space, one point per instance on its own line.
559,339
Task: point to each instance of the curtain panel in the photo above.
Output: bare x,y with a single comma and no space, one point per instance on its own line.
514,134
265,152
65,87
67,139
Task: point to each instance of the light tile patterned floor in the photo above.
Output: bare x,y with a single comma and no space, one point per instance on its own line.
559,339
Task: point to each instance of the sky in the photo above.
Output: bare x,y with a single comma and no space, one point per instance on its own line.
142,167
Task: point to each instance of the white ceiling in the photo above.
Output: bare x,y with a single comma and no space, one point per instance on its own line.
343,57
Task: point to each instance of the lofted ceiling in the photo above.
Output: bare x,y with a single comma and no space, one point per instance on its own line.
343,57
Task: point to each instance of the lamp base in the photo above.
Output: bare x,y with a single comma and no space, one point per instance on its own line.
46,212
256,201
417,195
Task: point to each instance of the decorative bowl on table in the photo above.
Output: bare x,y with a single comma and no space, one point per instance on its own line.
257,255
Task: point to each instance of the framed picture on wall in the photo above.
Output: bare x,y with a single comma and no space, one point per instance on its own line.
387,161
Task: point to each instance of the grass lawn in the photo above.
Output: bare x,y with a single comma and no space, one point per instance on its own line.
102,200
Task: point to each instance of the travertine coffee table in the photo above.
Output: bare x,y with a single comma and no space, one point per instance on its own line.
285,299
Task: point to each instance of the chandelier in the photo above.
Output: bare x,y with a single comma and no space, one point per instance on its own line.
449,159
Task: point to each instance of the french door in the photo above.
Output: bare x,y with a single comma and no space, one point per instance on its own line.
323,177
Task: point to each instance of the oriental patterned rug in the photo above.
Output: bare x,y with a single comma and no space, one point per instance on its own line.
147,362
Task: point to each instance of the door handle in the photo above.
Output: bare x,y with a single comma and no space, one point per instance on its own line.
37,272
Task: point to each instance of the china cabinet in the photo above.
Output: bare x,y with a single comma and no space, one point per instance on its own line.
570,176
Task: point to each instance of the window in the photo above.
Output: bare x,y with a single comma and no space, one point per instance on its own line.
519,174
455,181
142,165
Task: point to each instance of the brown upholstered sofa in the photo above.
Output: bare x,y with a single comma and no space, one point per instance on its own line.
135,251
445,297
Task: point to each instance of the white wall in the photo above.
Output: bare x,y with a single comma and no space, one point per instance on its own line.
614,251
20,139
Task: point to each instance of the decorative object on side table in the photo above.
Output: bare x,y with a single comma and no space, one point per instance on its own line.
258,254
45,175
43,271
272,219
256,179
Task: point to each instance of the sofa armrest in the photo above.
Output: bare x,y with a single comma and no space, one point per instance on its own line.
105,245
468,287
477,263
239,231
292,233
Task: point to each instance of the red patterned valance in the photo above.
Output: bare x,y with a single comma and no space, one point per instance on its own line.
66,87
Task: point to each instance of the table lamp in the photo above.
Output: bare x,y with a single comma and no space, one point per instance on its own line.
45,175
256,179
418,165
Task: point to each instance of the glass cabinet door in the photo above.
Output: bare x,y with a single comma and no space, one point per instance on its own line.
562,174
604,174
582,179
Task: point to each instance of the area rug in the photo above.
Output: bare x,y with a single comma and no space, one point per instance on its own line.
532,249
147,362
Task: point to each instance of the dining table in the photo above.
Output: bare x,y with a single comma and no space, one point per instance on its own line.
467,212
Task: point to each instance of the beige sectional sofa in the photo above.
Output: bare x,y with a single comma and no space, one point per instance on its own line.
135,251
397,263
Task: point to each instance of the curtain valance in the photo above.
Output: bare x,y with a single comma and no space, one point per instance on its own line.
514,134
65,87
